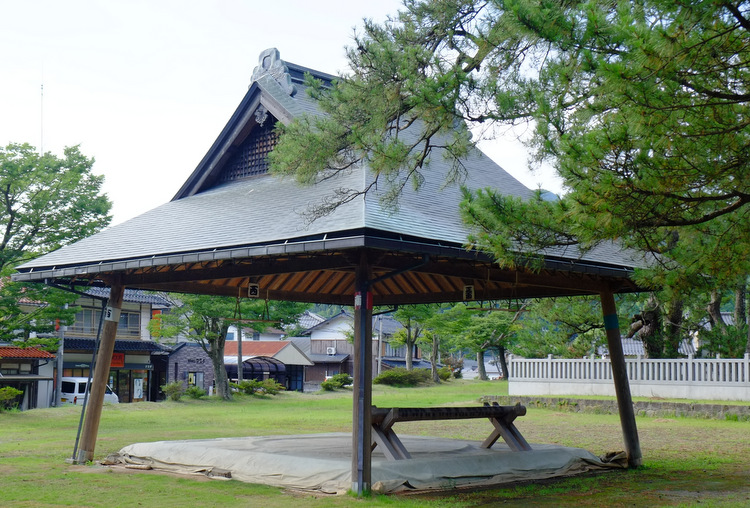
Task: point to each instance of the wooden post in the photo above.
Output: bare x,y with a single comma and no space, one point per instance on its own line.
362,385
620,378
100,377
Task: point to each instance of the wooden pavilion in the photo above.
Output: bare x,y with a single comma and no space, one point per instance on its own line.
234,229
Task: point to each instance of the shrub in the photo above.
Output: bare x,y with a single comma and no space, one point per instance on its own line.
336,382
248,386
402,377
342,380
271,387
195,392
456,365
8,396
445,373
174,390
255,387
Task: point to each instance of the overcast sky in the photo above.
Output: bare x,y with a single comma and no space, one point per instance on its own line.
146,86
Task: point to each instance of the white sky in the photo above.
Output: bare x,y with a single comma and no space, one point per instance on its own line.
146,86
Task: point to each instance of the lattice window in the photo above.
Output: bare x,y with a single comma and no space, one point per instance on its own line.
251,157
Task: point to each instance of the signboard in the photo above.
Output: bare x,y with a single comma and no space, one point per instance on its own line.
118,360
112,314
253,290
358,300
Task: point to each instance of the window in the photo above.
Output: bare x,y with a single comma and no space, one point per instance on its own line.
87,323
195,379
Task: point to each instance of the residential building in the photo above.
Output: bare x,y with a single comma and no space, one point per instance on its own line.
29,370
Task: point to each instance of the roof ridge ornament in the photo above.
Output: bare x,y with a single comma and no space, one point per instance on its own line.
269,62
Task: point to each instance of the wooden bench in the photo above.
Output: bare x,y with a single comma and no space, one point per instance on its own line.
502,418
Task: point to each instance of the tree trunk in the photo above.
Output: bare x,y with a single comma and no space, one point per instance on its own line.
651,331
714,311
480,366
674,329
503,362
434,357
216,353
409,355
740,304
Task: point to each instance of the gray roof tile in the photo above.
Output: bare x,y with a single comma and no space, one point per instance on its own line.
265,209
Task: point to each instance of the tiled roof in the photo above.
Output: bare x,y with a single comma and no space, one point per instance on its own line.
401,362
24,353
214,218
125,345
635,347
327,358
255,347
133,295
208,221
384,322
309,319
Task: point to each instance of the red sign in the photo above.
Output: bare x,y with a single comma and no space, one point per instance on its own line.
118,360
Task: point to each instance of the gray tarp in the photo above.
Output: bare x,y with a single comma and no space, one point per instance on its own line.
322,462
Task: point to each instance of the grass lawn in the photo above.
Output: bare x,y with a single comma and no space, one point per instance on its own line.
687,462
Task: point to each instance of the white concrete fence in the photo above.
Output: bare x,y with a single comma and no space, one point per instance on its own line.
684,378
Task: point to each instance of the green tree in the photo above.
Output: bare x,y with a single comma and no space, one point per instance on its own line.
414,319
446,327
205,319
30,314
492,330
46,202
563,327
641,107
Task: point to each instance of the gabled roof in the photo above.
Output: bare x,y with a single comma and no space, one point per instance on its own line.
24,353
283,350
381,322
255,347
133,296
215,237
121,345
309,319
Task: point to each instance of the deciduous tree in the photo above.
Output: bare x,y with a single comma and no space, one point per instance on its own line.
46,202
206,319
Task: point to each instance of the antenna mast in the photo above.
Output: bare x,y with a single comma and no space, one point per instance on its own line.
41,123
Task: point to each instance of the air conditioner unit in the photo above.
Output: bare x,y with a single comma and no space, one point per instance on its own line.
330,351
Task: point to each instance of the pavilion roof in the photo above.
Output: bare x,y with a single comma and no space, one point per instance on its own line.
216,235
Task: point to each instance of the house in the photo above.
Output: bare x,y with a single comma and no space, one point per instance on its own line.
282,351
277,359
30,370
138,367
332,351
189,363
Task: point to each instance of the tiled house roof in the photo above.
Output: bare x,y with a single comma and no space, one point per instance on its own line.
85,344
24,353
255,347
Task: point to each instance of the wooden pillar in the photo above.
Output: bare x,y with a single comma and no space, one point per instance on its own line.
100,377
362,385
620,377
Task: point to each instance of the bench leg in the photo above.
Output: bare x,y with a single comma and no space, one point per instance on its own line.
510,435
392,446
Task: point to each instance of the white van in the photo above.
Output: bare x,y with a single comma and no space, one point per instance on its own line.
74,391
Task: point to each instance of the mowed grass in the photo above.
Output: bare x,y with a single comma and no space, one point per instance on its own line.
687,462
